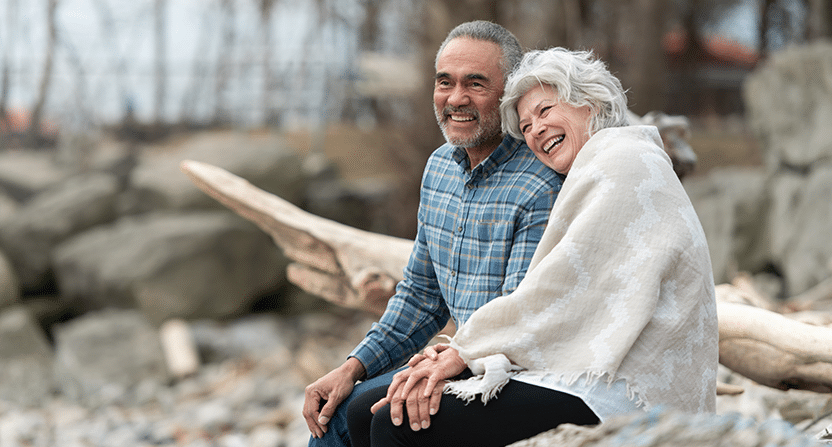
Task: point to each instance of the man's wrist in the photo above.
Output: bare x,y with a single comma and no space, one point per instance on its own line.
354,368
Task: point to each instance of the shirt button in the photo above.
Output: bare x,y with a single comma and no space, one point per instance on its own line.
453,273
469,186
459,229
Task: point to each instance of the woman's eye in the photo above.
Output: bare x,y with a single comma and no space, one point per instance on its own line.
545,109
524,128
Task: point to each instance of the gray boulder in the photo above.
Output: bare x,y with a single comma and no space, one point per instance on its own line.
801,225
107,356
730,203
27,358
9,285
24,174
659,428
53,216
265,161
789,104
210,264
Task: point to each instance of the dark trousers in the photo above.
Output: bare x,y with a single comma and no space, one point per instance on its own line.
518,412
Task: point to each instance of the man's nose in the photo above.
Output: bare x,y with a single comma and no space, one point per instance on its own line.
459,96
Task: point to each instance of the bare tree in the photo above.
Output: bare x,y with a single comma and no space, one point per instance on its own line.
34,133
224,61
820,19
646,68
266,7
5,76
160,22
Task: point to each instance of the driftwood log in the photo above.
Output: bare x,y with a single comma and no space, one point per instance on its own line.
359,269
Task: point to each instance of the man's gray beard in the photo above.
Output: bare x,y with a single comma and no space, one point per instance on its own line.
489,127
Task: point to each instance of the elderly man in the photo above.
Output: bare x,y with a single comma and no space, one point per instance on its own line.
485,200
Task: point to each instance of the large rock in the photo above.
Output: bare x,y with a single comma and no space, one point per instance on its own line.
730,203
24,174
264,160
801,224
209,264
105,357
26,358
660,428
52,217
9,285
789,104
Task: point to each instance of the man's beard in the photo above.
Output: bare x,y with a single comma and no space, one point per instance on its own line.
488,128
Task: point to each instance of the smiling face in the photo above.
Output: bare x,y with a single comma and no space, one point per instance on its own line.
466,95
554,131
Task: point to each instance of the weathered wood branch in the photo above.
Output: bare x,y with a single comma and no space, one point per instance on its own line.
347,266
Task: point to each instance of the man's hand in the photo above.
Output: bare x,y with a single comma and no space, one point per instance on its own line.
332,388
419,387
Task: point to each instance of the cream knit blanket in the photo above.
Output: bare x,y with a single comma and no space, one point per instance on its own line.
620,287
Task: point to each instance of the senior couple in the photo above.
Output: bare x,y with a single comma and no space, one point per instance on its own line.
572,310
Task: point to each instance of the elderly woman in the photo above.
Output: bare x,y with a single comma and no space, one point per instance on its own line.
617,310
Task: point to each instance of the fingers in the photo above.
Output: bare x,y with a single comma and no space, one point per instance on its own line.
396,414
431,353
377,406
311,413
436,397
415,360
418,409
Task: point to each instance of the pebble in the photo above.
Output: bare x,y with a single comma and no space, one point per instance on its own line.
250,395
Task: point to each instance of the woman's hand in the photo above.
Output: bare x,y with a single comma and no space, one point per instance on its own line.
419,387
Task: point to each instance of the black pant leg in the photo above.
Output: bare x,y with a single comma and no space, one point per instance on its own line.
518,412
359,416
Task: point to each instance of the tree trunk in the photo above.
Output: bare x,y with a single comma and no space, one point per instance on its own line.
5,76
266,7
646,68
819,19
160,14
34,133
224,62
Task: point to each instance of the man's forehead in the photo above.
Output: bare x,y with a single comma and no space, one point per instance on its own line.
464,56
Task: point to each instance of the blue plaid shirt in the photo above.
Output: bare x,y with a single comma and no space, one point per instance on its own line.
477,231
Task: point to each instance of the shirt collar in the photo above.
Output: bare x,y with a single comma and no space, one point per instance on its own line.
504,151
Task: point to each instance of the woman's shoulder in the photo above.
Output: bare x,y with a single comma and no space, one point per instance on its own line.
624,148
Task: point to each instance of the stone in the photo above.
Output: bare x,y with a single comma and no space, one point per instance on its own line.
264,160
27,358
658,428
209,264
800,218
24,174
179,348
101,357
9,285
53,216
729,203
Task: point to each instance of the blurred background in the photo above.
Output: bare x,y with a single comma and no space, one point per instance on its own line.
148,69
328,104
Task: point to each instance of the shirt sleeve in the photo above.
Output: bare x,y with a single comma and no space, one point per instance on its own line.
414,315
526,238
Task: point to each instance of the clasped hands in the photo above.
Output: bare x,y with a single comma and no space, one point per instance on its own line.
419,387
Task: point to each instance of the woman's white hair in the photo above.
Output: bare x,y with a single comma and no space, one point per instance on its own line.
579,78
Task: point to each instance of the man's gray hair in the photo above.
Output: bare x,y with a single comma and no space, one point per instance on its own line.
580,78
491,32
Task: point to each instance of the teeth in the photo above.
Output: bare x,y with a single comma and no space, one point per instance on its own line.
553,143
461,119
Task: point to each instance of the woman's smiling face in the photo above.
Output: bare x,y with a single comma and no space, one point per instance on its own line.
554,131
